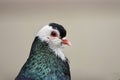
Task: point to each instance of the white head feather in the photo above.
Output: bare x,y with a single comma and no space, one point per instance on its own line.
54,43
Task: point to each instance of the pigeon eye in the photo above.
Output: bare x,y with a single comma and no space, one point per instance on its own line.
54,34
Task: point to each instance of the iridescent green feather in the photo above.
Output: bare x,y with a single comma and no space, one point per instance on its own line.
43,64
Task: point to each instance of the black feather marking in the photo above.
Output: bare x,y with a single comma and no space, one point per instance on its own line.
60,28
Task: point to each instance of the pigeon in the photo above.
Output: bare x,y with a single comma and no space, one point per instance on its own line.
46,60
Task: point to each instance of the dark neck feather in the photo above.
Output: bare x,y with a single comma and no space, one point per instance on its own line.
38,46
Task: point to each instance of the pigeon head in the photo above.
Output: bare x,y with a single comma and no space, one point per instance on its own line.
54,34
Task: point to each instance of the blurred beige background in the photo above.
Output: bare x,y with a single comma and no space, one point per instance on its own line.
93,27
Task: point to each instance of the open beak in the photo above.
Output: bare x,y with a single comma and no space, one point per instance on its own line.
66,42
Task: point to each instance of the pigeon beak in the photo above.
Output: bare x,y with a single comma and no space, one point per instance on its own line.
66,42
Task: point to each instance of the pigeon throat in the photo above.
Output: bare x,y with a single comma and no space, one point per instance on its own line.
43,46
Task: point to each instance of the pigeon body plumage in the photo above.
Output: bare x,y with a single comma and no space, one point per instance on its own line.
46,60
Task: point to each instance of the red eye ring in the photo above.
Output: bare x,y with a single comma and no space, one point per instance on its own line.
54,34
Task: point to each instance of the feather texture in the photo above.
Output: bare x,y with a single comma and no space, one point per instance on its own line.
43,64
